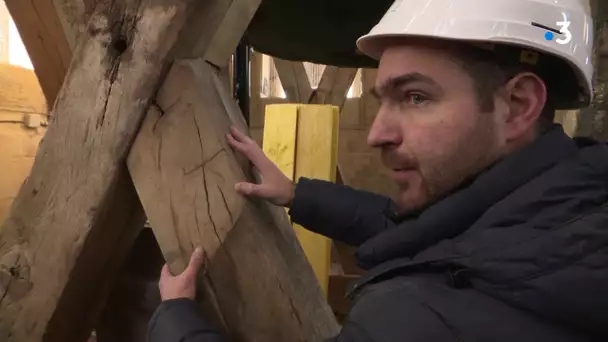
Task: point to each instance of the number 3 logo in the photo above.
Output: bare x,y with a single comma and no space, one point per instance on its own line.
564,29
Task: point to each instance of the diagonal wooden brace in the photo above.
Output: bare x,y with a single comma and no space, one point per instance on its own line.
77,210
258,284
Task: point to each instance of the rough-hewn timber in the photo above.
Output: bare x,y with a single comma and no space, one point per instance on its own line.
67,224
258,283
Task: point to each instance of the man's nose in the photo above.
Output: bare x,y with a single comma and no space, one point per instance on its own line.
384,131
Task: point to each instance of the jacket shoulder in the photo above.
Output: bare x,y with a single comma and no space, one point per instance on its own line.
390,311
423,307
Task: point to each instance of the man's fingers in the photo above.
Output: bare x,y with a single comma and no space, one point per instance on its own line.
165,273
250,149
238,135
196,261
237,145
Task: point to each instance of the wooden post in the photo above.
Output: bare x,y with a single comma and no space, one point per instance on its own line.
77,211
258,284
303,141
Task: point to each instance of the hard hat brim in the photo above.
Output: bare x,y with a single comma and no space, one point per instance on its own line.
374,45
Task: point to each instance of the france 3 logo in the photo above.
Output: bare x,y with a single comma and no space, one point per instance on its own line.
563,32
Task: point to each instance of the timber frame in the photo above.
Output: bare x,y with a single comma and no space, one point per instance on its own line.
106,163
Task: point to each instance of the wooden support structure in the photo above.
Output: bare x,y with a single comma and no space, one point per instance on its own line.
332,89
77,216
303,141
257,278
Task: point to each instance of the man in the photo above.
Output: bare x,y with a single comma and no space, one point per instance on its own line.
500,229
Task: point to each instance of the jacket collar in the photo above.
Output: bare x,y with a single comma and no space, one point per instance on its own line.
455,213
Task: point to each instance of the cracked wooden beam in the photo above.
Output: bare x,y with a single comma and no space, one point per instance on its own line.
185,172
78,208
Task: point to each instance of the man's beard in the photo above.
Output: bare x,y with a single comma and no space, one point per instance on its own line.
442,176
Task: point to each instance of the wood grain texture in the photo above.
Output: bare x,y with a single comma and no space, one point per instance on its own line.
258,285
73,216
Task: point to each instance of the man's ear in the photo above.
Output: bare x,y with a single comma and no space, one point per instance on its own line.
526,97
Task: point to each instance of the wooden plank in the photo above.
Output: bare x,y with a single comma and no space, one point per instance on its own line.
67,224
280,132
302,140
294,80
333,89
258,285
41,27
316,157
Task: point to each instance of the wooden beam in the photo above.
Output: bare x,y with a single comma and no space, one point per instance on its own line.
258,284
294,80
49,34
65,226
334,86
229,20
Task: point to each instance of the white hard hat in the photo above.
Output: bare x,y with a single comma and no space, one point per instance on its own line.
561,30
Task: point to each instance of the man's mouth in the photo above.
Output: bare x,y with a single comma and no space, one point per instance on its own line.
402,174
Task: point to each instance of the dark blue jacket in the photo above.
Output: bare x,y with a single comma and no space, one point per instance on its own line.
520,253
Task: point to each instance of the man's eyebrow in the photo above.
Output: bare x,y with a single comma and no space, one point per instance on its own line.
399,81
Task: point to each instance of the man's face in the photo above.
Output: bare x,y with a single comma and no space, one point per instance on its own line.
430,129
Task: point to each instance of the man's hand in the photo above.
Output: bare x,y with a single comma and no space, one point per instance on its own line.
275,186
183,285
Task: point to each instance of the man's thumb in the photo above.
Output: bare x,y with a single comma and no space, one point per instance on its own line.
250,189
196,261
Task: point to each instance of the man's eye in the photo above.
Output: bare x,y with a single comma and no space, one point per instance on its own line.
416,99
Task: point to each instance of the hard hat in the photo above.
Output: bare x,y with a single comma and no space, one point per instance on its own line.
559,31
